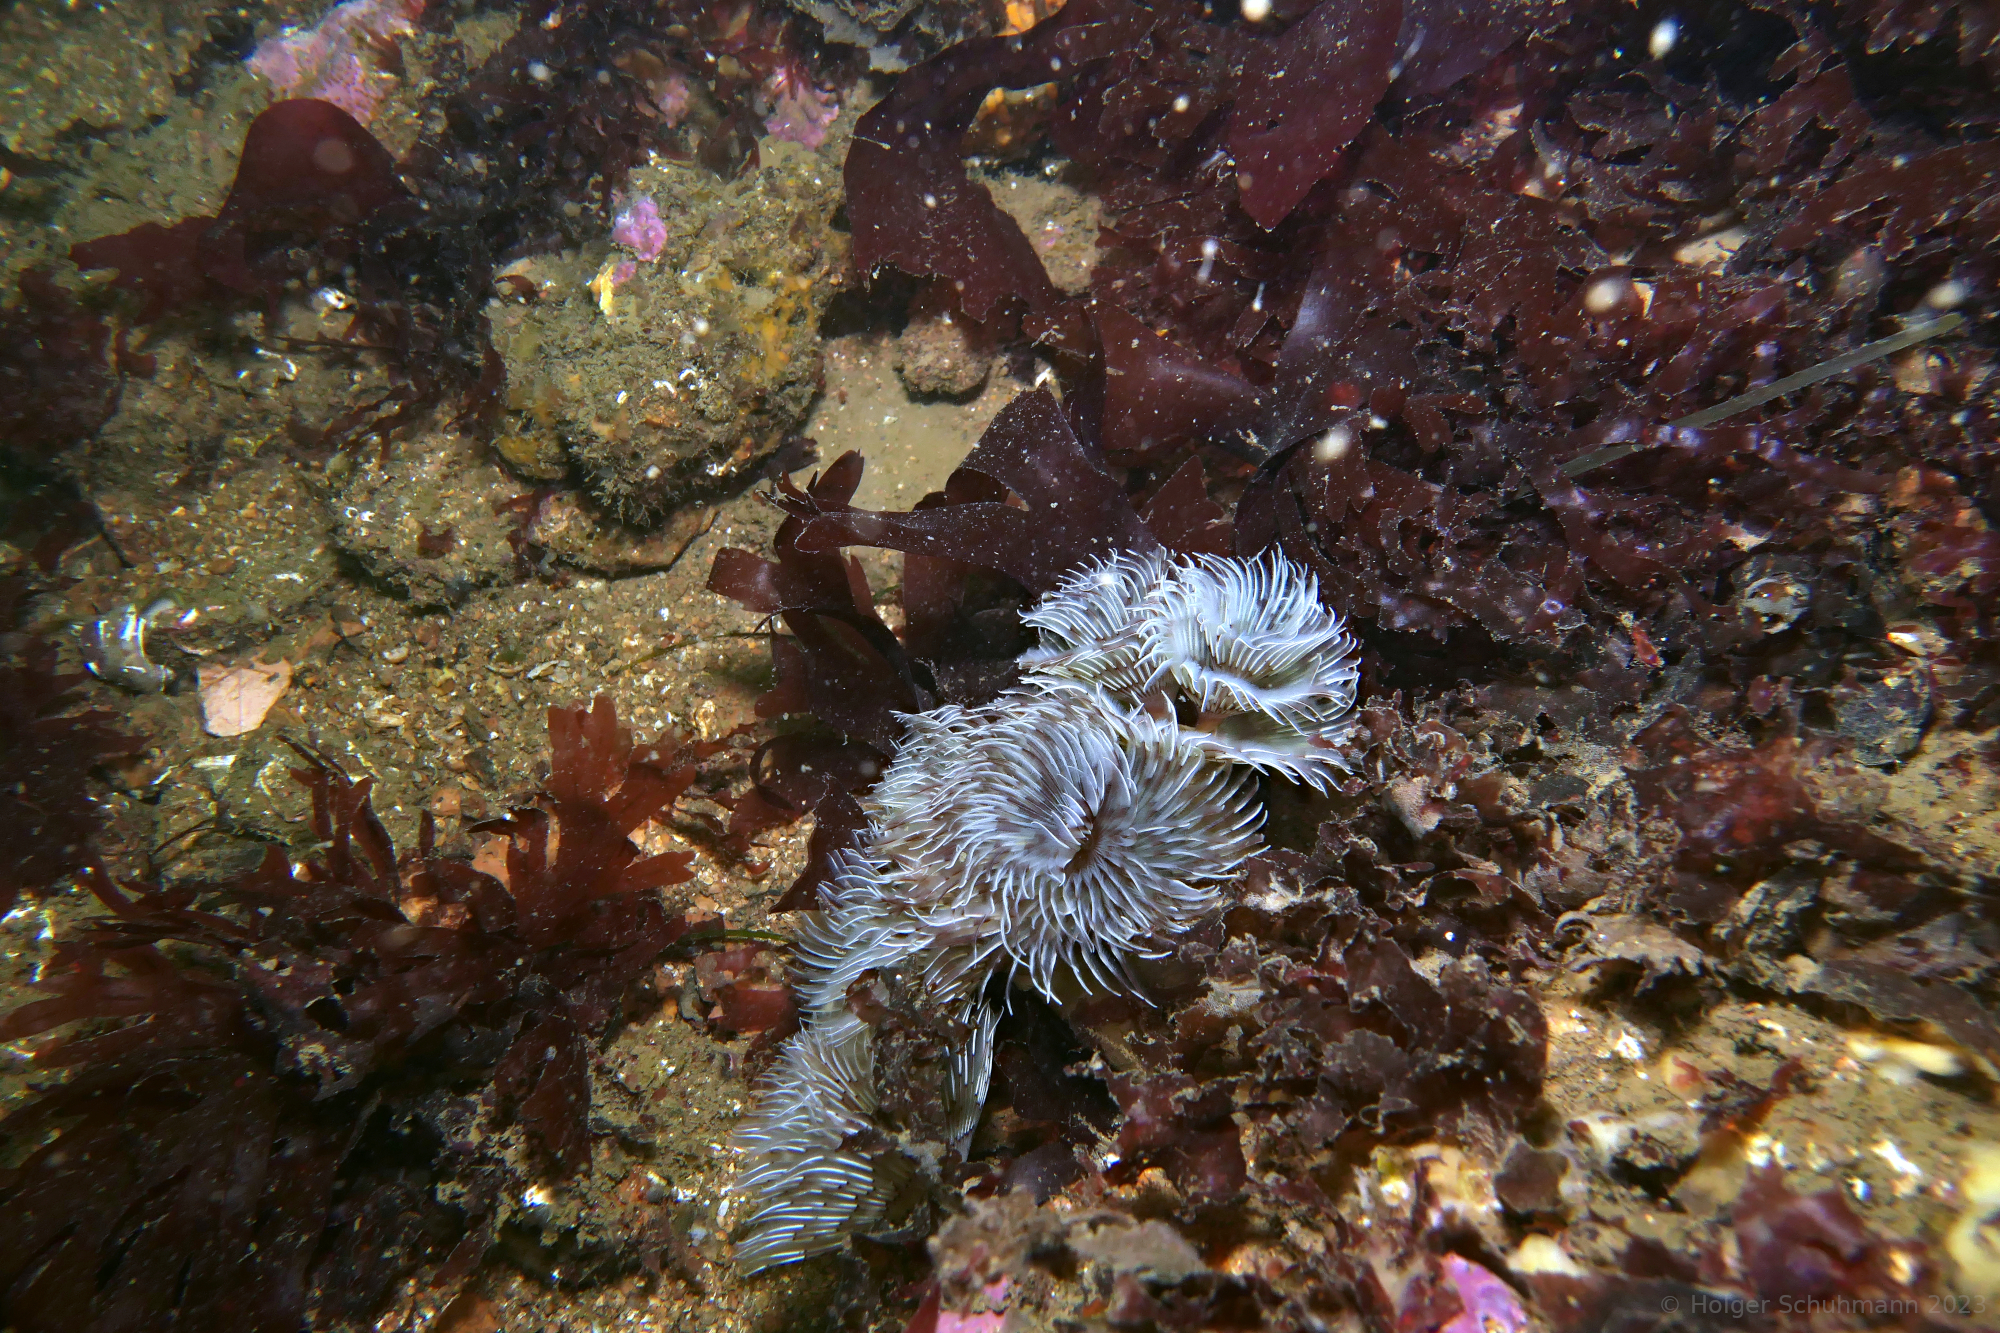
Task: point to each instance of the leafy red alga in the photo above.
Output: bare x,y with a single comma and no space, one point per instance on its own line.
258,1114
48,747
1070,510
1028,505
59,371
1304,97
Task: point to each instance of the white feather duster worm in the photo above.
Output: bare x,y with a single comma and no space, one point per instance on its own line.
1062,830
1272,671
867,926
1070,831
1092,626
1246,644
809,1192
1045,833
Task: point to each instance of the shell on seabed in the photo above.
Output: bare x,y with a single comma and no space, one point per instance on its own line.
114,648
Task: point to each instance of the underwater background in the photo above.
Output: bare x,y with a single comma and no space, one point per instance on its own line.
488,491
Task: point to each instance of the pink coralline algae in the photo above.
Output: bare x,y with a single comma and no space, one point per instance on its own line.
337,60
639,229
800,112
956,1321
673,95
1490,1305
986,1321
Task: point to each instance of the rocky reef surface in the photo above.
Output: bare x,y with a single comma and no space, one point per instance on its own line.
497,498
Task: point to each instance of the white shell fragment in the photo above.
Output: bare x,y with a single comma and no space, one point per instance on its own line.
235,699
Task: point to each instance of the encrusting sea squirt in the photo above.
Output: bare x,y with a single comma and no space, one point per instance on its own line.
1053,835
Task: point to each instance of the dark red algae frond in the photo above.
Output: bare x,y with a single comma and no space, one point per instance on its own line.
1804,1254
840,663
48,747
1417,312
309,177
59,371
315,197
1028,505
276,1076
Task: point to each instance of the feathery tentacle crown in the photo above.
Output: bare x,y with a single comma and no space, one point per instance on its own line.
1062,829
1092,626
821,1093
1245,644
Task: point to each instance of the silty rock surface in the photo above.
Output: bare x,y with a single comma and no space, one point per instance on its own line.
671,380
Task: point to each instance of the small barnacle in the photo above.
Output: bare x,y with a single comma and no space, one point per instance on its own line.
114,649
1775,601
1631,940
